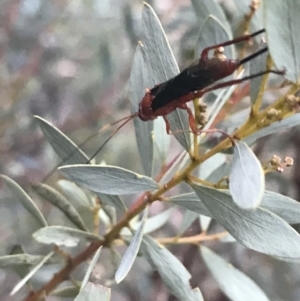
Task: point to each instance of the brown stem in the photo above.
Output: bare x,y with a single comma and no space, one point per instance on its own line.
141,204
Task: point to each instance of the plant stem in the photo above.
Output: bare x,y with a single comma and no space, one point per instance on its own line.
250,126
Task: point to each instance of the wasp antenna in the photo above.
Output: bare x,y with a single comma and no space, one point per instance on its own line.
127,118
113,133
254,55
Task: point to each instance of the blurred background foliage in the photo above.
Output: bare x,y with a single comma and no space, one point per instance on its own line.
69,62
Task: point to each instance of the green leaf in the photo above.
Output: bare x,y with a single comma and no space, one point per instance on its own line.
172,272
210,165
30,274
219,173
66,292
108,215
85,200
191,202
19,265
153,64
257,229
211,33
112,200
157,221
283,206
181,161
162,66
161,140
205,222
75,194
90,268
143,129
179,125
152,224
204,8
188,218
275,127
65,148
246,178
132,251
59,201
235,284
63,236
283,37
218,104
88,214
19,194
23,260
108,179
93,292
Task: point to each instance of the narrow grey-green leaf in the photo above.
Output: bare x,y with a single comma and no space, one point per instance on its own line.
219,173
112,200
88,214
162,66
19,194
205,222
143,129
246,178
179,125
283,206
66,292
275,127
65,148
153,223
154,63
235,284
191,202
210,165
108,179
30,274
171,270
93,292
223,96
157,221
161,140
22,260
75,194
257,229
283,37
257,65
63,236
20,263
108,215
212,32
181,160
59,201
204,8
91,267
188,218
132,251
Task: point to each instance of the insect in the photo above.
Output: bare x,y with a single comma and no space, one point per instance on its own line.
193,82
